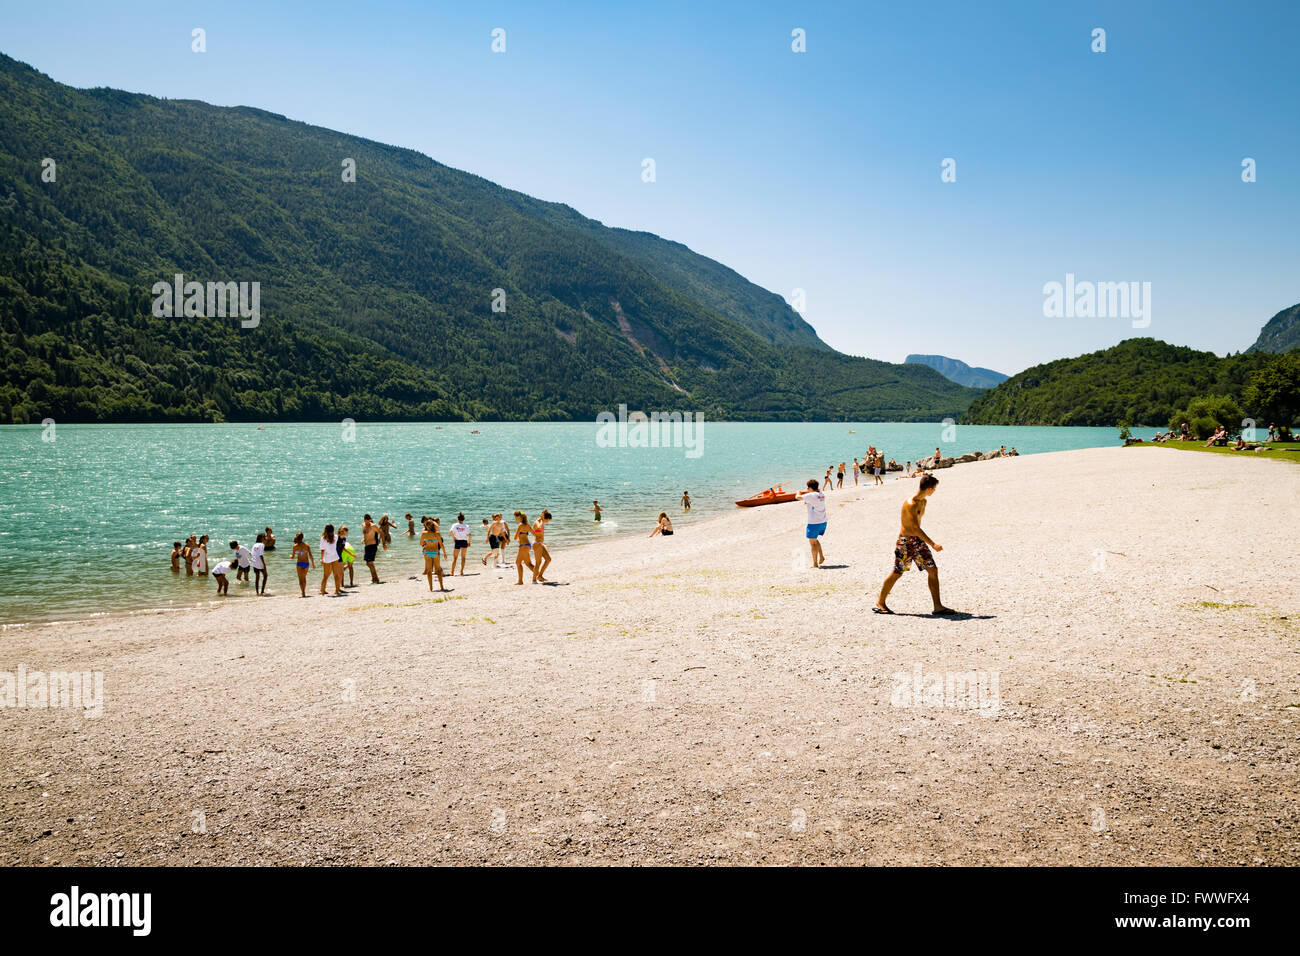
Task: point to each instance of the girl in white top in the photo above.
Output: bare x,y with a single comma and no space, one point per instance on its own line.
201,556
460,543
329,560
259,564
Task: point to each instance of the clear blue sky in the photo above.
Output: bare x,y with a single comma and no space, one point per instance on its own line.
818,170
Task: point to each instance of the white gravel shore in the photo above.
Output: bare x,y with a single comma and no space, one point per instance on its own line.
707,698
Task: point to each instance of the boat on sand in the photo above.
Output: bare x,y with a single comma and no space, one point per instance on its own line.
773,496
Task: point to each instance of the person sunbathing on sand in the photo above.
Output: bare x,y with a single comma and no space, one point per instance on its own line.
913,547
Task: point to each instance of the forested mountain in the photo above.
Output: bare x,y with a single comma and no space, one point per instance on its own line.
376,294
1281,333
958,371
1141,381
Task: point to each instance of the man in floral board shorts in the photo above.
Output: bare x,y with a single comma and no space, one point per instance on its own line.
913,547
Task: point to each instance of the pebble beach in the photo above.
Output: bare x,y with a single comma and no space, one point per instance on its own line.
1120,687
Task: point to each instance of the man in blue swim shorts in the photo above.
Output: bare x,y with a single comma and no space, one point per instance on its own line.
815,501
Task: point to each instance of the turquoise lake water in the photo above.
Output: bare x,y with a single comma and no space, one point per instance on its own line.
89,518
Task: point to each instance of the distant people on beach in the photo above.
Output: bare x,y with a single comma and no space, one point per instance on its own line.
386,527
686,501
432,546
839,476
243,560
878,468
815,501
269,540
201,556
331,567
370,537
219,575
541,554
595,507
663,526
258,562
460,543
303,559
826,482
856,471
176,556
347,556
524,558
498,536
913,547
410,525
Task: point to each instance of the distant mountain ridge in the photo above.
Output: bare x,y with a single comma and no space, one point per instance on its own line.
958,371
1281,333
378,293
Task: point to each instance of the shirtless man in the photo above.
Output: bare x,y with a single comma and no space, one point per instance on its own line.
914,547
370,538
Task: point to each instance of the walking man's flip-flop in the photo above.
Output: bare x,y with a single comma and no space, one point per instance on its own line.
876,609
942,611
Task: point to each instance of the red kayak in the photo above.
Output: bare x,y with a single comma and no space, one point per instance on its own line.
773,496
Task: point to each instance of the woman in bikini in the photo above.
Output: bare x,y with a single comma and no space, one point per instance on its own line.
431,545
302,556
386,526
541,556
664,527
523,558
329,561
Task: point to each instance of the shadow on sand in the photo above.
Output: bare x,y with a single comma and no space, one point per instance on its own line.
959,616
